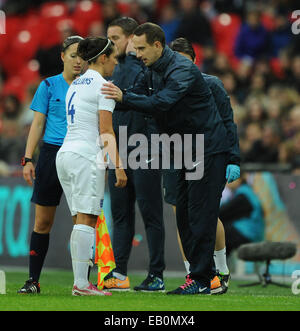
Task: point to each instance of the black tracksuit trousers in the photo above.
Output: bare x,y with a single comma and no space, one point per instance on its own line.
143,186
197,210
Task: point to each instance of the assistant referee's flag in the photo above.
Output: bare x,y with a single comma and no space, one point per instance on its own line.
104,256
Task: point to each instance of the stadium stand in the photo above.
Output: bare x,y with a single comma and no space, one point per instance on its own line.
34,31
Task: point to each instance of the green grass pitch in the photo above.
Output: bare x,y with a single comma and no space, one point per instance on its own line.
56,296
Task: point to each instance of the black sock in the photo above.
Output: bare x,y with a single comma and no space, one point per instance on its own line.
39,244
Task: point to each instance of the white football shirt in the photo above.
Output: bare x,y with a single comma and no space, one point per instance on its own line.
83,102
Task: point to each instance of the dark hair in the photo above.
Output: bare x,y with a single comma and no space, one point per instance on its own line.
69,41
183,45
127,24
153,33
90,48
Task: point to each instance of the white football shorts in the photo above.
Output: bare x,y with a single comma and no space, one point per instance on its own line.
82,181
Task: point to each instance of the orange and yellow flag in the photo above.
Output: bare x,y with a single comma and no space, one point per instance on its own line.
104,256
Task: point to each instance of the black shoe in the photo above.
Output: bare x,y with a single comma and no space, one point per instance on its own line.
224,280
190,287
151,284
30,287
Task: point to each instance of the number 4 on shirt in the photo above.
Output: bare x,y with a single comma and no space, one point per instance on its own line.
71,109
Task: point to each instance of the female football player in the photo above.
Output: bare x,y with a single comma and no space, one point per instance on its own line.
81,159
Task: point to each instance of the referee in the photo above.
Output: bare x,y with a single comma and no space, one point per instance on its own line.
49,109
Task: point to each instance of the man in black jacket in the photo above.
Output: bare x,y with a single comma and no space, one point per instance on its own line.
182,103
143,186
219,283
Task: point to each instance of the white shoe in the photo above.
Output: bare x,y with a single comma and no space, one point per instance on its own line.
89,290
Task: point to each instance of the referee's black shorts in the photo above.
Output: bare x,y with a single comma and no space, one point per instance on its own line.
47,190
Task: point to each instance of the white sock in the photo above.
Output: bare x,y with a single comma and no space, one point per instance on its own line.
220,261
82,242
187,266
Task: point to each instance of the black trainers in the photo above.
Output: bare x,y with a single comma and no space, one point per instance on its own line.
151,284
30,287
224,280
190,287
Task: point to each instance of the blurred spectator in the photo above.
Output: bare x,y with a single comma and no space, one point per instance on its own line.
138,12
285,152
96,29
255,110
295,120
229,6
289,97
11,107
274,111
286,127
13,7
221,64
169,22
258,85
207,62
281,36
109,12
296,149
253,40
26,116
294,47
243,77
193,24
295,73
242,216
208,9
231,85
284,60
265,150
229,81
239,113
49,58
4,169
252,133
11,144
274,93
262,67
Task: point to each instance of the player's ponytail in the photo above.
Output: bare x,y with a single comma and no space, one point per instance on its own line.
90,48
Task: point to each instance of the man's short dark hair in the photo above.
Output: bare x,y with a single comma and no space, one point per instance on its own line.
183,45
153,33
127,24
